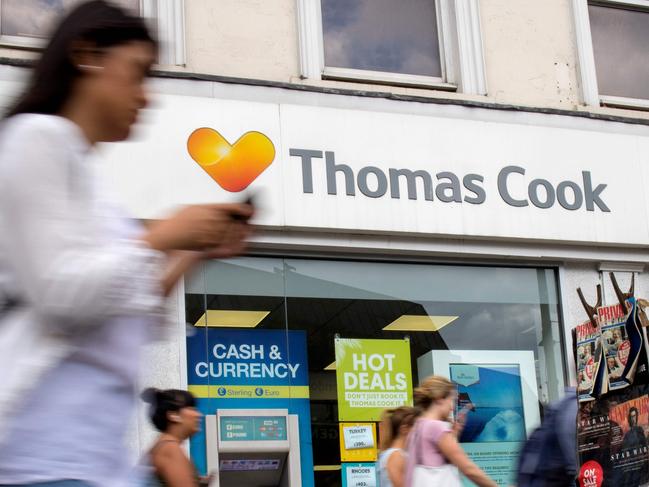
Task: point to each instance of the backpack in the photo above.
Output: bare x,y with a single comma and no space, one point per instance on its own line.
544,459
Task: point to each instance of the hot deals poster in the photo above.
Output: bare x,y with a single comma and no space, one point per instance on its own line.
372,375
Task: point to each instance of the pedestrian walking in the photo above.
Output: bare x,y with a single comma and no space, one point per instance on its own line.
173,412
395,428
549,456
434,454
83,285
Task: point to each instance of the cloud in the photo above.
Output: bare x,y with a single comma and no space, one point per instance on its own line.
35,18
382,35
620,38
31,18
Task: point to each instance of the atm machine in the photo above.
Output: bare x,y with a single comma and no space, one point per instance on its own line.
253,448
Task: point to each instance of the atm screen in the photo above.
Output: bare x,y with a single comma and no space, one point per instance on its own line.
247,465
253,428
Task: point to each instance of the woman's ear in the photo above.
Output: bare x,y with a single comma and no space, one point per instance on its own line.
86,57
173,417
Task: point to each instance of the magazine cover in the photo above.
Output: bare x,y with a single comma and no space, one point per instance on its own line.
638,367
629,452
591,375
636,370
616,344
612,440
593,443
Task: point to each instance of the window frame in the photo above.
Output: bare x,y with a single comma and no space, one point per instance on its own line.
586,55
167,17
460,43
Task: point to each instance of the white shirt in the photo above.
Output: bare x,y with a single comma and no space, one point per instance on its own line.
69,357
384,457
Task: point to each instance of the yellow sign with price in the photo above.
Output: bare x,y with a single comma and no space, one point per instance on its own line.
358,442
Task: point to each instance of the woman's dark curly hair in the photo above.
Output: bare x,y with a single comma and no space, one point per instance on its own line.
164,402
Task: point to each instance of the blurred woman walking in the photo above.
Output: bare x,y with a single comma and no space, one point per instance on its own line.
434,454
83,285
395,428
173,412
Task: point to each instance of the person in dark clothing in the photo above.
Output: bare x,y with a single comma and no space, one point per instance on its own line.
635,437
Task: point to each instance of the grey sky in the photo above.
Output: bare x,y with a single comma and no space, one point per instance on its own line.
382,35
621,45
34,17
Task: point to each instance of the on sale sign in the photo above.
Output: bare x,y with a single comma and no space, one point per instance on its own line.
372,375
591,474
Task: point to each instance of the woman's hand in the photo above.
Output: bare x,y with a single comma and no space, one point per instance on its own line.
452,451
201,227
460,422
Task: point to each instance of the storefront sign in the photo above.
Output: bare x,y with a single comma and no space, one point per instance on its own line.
359,475
358,442
371,375
474,174
253,428
250,369
448,187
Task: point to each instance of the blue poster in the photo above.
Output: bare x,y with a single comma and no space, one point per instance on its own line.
360,475
491,397
250,369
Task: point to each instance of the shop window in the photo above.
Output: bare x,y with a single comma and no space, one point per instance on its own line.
466,315
428,43
612,39
26,23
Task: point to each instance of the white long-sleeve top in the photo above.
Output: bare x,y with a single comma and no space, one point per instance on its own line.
91,296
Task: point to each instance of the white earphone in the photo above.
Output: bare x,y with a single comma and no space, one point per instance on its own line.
90,67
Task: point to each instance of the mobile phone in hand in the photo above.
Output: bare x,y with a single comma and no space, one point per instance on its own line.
250,200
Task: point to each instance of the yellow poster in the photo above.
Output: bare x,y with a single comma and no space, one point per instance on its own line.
358,442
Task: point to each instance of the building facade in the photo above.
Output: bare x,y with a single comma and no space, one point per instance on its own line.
445,172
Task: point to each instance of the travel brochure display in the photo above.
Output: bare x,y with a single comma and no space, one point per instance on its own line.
613,417
358,442
360,475
497,393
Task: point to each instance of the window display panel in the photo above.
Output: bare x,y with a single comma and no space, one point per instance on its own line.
238,360
374,311
431,308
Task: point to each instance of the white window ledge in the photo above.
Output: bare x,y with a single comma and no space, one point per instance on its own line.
623,102
379,77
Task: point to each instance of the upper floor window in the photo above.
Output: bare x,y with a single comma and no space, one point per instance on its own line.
382,36
427,43
613,36
27,23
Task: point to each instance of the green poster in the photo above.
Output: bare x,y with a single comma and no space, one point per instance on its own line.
372,375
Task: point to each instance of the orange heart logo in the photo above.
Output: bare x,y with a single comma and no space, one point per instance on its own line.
232,166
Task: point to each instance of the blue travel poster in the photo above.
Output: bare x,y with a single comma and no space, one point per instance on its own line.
491,397
250,369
